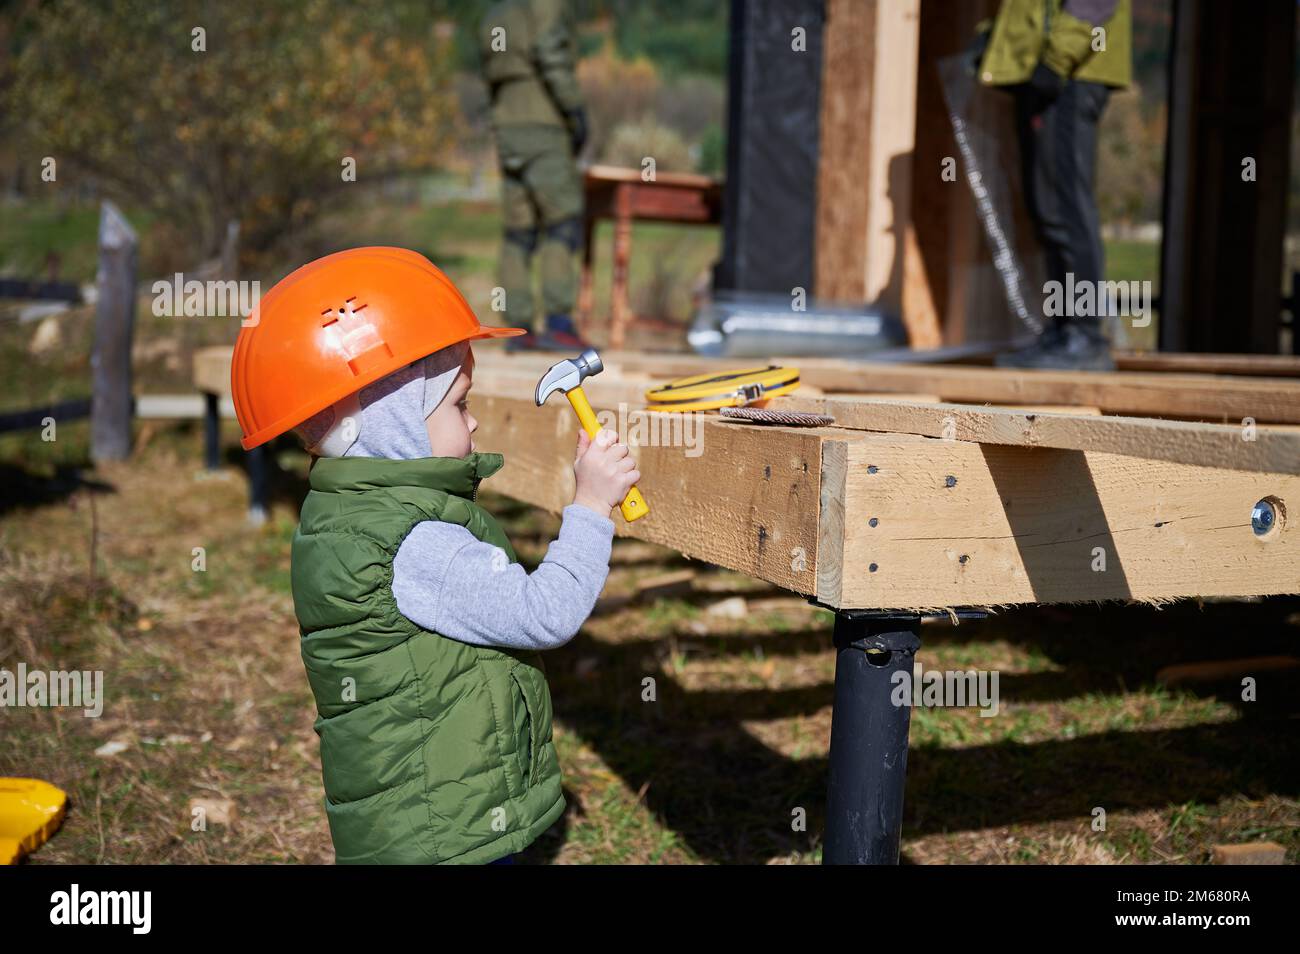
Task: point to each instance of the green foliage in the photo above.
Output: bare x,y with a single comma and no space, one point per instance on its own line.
1130,159
255,127
713,152
676,47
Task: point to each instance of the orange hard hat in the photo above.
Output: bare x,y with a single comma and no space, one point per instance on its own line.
331,327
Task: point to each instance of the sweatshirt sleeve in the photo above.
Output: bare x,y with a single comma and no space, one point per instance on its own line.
448,581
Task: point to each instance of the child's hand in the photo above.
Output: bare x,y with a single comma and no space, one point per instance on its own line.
604,470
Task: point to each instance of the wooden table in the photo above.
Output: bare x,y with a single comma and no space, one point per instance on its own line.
622,194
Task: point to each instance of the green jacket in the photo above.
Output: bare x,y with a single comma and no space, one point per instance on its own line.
528,57
432,750
1026,31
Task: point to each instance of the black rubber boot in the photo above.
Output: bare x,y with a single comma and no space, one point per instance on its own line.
1069,346
561,335
526,342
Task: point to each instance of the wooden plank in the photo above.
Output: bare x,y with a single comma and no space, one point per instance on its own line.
793,506
684,180
1191,395
866,136
744,498
844,142
211,369
959,524
1251,853
830,530
1269,365
1273,449
920,313
1204,396
1222,670
1264,449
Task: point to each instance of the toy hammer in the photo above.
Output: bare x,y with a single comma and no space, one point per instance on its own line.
567,376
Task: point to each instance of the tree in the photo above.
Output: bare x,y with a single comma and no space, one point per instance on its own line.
241,110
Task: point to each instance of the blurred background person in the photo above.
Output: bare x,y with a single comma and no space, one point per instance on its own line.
540,124
1061,60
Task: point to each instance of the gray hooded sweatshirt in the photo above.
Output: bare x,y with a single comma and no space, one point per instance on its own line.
447,580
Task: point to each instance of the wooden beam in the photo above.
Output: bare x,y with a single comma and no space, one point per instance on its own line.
1269,365
932,523
891,520
211,369
953,250
794,507
1204,396
1263,448
1229,446
866,136
743,498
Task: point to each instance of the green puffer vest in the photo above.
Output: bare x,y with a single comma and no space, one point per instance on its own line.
432,750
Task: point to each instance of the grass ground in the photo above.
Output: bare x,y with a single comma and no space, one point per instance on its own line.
206,694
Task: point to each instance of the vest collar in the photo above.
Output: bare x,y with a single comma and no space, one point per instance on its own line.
455,475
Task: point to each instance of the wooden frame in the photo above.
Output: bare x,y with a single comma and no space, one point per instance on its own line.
909,502
948,505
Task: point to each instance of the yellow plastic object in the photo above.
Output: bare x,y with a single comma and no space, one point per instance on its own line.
633,506
711,390
30,812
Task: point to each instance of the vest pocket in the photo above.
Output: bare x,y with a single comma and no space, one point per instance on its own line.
529,737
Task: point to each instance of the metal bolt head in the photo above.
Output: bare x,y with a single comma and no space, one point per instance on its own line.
1262,517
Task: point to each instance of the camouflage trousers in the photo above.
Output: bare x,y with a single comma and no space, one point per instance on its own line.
541,197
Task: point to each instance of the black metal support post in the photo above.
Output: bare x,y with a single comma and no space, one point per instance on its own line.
211,431
259,483
868,770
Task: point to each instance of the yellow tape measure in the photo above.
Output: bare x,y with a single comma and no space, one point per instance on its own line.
705,392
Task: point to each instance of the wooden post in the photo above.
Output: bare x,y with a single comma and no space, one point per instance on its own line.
864,176
619,307
230,250
110,360
585,288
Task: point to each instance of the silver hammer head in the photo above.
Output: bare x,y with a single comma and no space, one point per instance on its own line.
567,375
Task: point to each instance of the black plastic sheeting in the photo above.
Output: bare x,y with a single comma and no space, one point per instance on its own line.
991,170
770,195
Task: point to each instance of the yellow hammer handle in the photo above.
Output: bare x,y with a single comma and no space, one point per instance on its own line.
633,506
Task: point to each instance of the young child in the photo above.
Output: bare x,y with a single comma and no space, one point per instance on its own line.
420,632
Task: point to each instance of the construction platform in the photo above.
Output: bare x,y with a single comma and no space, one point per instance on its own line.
1038,487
